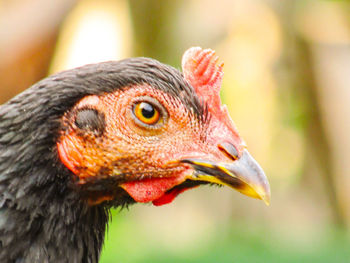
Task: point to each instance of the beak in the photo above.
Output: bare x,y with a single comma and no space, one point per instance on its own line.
244,174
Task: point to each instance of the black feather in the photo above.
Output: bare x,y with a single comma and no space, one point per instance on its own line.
42,216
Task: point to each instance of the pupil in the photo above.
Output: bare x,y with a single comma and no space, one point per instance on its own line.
147,110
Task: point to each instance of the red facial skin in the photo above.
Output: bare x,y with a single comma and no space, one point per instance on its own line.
147,159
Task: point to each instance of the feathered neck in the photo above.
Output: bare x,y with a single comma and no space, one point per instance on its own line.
42,219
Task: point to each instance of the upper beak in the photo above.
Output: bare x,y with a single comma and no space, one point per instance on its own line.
244,174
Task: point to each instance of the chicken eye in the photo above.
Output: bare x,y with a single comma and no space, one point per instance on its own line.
146,113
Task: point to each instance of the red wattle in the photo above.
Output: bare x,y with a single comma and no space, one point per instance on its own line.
148,190
170,196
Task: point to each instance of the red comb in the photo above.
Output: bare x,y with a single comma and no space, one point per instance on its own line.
201,70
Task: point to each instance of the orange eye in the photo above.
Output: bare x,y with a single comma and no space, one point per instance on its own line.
146,113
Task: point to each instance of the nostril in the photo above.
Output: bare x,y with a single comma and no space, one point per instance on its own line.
229,149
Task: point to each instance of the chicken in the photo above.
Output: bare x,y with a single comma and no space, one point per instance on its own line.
106,135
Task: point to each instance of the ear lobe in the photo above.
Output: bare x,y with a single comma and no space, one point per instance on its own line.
70,163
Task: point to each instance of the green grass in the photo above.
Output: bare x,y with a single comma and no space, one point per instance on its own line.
128,243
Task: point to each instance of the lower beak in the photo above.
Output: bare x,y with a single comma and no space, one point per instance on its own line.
244,174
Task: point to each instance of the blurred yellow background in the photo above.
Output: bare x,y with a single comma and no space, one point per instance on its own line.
287,87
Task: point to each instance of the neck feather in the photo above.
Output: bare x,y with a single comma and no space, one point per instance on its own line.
42,217
49,223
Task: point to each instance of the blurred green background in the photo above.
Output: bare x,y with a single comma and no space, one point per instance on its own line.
287,87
